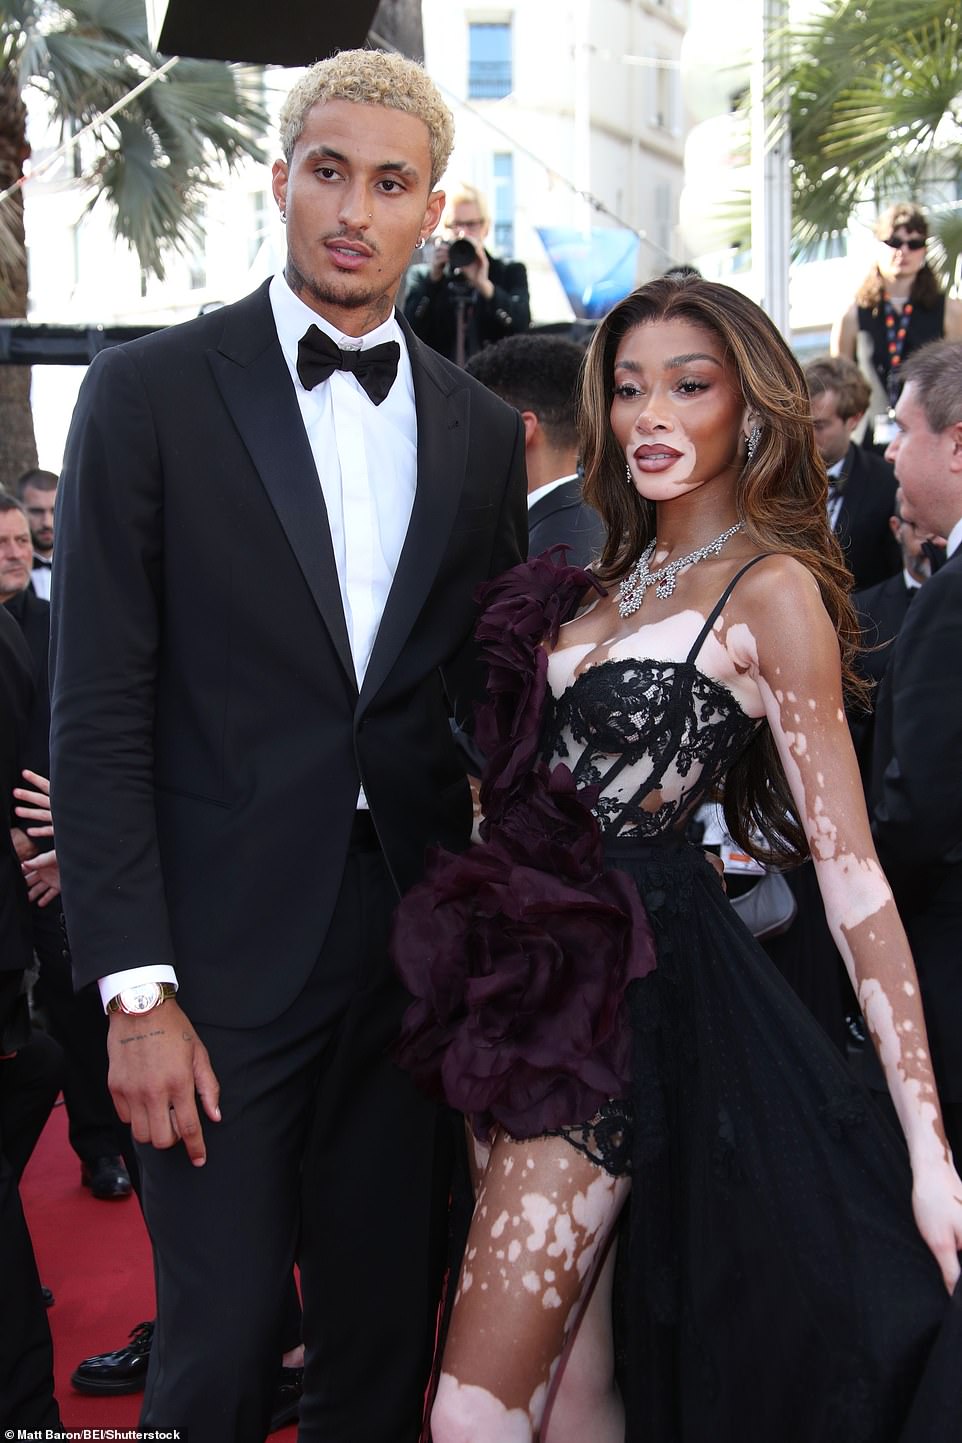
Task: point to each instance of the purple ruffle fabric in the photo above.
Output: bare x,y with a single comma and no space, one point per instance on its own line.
518,951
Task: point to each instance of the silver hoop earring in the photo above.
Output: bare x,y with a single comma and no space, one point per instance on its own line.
419,242
751,445
283,217
628,476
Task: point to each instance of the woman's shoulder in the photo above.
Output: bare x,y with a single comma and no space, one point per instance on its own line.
777,585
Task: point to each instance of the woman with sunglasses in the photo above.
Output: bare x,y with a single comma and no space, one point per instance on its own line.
898,308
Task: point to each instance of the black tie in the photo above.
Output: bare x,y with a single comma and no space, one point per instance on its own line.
318,356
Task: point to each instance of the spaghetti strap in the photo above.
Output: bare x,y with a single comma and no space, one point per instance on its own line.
717,608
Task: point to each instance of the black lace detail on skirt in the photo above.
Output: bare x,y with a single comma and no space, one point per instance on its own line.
605,1138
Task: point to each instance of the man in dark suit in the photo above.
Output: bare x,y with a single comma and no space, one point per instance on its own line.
271,524
916,774
26,1355
459,305
861,486
538,376
881,611
75,1020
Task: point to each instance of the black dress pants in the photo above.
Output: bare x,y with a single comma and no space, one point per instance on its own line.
26,1352
325,1153
77,1021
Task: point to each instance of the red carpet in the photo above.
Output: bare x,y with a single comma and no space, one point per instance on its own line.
95,1258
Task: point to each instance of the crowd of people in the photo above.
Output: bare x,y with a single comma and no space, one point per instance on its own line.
500,1127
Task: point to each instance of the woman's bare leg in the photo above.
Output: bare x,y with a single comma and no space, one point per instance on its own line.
543,1217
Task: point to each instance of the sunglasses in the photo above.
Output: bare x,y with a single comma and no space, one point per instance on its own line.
915,244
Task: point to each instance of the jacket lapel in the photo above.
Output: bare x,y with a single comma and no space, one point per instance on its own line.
255,383
443,412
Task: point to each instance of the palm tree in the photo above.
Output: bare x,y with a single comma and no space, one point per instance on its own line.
876,112
151,162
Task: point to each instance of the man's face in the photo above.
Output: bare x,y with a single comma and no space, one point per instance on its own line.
832,433
927,467
16,554
357,194
466,220
39,508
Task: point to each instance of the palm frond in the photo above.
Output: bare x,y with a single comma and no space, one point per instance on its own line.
872,85
153,159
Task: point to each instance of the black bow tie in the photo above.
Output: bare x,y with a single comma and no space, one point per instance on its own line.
318,356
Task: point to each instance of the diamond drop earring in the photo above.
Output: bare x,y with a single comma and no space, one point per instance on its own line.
628,476
751,445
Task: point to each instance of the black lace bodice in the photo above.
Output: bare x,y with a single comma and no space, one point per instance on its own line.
653,736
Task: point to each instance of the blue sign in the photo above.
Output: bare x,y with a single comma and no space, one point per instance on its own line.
596,270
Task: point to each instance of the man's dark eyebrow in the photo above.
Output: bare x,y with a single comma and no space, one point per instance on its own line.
327,152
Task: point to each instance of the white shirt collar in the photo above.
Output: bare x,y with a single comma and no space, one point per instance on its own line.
540,492
292,318
954,539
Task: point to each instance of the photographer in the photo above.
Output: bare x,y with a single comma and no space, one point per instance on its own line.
466,298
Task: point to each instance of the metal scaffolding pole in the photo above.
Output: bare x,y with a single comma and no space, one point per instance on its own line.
771,173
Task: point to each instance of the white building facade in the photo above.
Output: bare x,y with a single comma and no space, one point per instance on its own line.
555,103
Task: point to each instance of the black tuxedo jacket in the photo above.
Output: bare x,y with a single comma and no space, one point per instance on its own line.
917,803
208,737
16,701
562,516
862,527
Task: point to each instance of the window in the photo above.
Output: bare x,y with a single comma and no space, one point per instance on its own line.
503,209
489,61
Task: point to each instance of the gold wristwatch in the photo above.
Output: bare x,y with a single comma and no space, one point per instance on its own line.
142,997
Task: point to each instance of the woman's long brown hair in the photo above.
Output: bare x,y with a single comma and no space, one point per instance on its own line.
781,499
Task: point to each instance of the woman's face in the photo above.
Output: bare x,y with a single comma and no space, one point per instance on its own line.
898,261
677,409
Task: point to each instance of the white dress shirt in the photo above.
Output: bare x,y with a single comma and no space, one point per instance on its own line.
366,460
954,539
40,576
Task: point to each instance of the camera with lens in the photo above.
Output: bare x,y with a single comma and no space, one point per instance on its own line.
461,253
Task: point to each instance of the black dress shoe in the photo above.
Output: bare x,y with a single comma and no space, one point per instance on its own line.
287,1398
106,1177
123,1371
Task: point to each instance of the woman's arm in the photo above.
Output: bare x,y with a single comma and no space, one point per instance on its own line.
790,645
844,334
953,320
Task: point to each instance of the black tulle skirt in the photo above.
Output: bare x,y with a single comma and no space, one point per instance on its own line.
773,1286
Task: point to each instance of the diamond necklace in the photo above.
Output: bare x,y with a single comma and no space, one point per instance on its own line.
639,578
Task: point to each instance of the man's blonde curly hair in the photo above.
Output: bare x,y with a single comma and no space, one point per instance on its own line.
372,77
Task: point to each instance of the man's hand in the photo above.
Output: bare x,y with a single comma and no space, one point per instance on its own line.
42,874
477,273
22,845
35,805
157,1065
439,259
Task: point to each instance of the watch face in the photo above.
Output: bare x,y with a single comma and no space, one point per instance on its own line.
140,999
